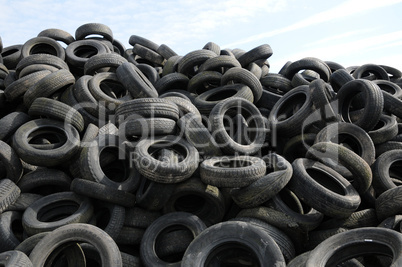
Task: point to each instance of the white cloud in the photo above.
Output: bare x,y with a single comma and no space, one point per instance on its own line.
347,8
352,52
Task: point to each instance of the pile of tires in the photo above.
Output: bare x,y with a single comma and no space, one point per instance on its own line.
142,157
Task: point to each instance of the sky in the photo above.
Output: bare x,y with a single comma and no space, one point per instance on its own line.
349,32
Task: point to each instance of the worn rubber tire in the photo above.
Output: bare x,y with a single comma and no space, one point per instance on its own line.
373,102
104,244
15,259
336,199
47,86
195,197
359,168
166,173
110,61
32,217
240,75
46,107
11,162
228,236
45,157
356,242
176,219
232,173
267,186
222,137
42,45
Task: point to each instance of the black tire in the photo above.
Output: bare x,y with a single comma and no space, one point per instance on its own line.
258,249
165,51
83,95
276,82
91,168
130,236
9,193
386,165
204,81
42,45
135,39
389,203
212,47
360,169
45,107
350,136
206,101
175,220
106,61
11,55
55,212
36,67
152,195
240,75
322,96
309,63
384,147
198,135
392,104
93,28
385,130
28,244
171,81
267,186
68,147
286,120
354,243
288,203
23,202
45,181
109,217
192,59
262,52
11,162
106,87
183,103
284,243
148,54
79,52
47,86
373,102
135,81
144,127
9,222
233,171
389,87
155,170
18,88
41,59
297,146
299,260
358,219
333,196
15,258
370,69
137,217
219,64
193,196
222,137
58,35
104,244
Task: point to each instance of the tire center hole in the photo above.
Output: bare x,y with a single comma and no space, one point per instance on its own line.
326,180
232,254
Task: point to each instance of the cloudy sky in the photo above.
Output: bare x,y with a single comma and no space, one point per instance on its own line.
350,32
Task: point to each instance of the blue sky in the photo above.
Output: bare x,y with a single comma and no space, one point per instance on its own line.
350,32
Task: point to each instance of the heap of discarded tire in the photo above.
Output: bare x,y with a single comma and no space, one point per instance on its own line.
141,157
